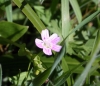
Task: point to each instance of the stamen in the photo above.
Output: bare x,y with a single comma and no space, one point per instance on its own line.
47,44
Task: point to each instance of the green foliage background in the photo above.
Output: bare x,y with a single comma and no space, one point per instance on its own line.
77,22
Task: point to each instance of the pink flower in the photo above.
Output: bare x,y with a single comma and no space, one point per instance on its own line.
48,43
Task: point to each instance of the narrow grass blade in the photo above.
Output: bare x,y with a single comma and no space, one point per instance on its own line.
31,15
65,68
66,26
8,7
65,17
58,59
76,9
96,48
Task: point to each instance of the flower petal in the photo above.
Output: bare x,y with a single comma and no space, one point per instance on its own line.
56,48
54,38
45,34
47,51
39,43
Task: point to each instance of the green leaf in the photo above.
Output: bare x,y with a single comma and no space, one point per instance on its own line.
12,31
96,48
55,28
31,15
76,9
0,75
8,7
7,41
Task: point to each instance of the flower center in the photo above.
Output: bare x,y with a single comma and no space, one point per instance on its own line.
47,44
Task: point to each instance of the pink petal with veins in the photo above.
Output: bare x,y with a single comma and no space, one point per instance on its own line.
56,48
54,38
39,43
45,34
47,51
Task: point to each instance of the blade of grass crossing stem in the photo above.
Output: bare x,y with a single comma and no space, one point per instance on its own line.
39,80
76,9
85,21
65,69
0,75
60,55
31,15
96,48
8,8
62,79
66,26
